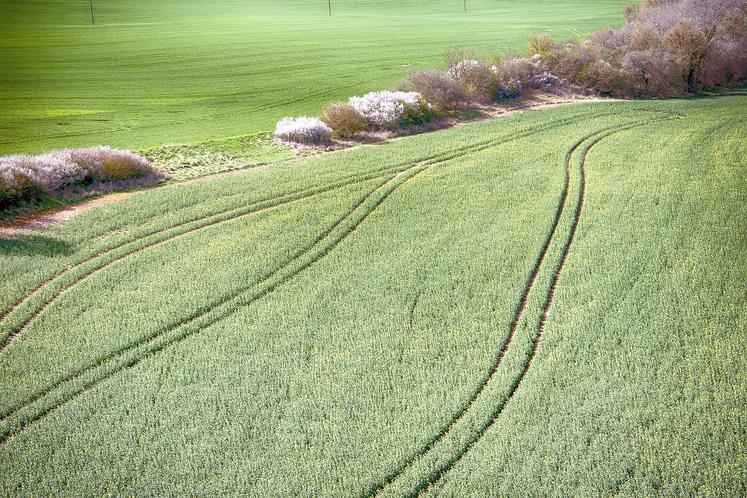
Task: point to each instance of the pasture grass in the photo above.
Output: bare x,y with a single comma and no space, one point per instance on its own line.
150,74
186,161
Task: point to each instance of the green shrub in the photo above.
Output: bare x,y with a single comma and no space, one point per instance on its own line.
540,45
419,113
344,119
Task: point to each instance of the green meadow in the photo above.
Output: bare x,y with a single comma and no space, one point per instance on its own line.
155,73
548,303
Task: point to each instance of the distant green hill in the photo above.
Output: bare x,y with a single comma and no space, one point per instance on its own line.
171,71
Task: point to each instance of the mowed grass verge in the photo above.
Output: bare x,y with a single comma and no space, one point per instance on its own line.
182,72
346,341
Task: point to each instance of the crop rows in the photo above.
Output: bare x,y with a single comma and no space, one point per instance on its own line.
562,313
14,419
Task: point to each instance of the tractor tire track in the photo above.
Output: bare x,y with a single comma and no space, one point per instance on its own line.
519,312
152,245
235,213
150,345
196,314
361,176
194,318
14,333
542,323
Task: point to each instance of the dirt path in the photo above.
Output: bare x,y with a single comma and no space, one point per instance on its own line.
49,217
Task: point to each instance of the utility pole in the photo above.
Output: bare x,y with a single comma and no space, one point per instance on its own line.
465,6
93,20
329,6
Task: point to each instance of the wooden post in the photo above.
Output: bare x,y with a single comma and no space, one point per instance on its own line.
329,6
465,6
93,20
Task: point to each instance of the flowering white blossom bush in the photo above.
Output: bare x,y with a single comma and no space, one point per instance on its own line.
303,130
388,109
26,177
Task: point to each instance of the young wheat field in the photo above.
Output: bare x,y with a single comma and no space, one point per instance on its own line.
430,289
519,304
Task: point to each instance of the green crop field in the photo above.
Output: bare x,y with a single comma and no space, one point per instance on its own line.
153,73
549,303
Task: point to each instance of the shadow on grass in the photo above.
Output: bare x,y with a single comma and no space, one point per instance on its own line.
36,245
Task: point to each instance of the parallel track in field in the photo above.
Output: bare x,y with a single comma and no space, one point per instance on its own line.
61,392
73,385
65,280
430,478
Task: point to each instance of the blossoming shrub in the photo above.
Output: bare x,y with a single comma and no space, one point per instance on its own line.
303,130
548,83
105,164
388,110
16,181
514,74
28,178
344,119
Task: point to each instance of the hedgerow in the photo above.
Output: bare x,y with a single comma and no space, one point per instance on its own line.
666,48
29,178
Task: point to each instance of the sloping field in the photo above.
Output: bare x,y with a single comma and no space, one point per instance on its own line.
551,301
151,73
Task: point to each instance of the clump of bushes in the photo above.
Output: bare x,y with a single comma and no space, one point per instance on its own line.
344,119
477,82
439,88
665,48
388,110
514,74
30,178
304,130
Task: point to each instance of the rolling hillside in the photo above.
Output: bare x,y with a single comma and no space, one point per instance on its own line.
550,301
153,73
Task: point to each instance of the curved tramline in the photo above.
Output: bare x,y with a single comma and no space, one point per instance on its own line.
73,275
512,331
14,420
545,302
542,322
428,475
104,367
